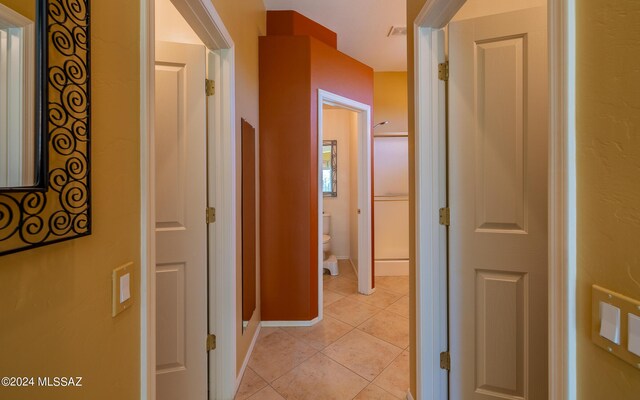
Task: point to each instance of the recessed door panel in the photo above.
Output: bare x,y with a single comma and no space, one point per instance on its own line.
500,300
170,146
170,317
500,133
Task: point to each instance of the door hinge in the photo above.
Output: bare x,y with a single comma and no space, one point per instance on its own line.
210,87
445,361
443,71
211,342
445,216
211,215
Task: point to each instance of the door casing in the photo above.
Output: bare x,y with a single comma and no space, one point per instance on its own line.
430,182
365,197
206,22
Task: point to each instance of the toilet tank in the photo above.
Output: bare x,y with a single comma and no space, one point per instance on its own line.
326,224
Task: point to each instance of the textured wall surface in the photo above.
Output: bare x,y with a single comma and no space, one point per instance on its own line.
246,21
390,101
55,302
608,145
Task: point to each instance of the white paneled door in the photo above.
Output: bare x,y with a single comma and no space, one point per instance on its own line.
498,200
181,230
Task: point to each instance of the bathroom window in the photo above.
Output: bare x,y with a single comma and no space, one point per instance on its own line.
330,168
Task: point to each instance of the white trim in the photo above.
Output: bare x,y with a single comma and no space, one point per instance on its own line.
205,22
399,267
409,396
365,196
562,202
247,357
282,324
430,175
222,234
147,204
211,30
562,198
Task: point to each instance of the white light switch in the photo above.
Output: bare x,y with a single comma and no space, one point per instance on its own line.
125,288
634,334
610,322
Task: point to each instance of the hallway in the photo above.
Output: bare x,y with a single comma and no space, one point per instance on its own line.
358,351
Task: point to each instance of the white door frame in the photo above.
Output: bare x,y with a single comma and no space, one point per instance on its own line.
431,271
205,21
364,186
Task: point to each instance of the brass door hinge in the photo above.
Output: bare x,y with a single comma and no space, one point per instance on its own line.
211,342
443,71
211,215
445,361
445,216
210,87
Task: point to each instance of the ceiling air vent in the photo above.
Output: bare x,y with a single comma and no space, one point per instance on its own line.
397,31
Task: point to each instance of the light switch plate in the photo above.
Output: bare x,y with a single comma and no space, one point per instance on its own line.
626,306
610,322
634,333
121,287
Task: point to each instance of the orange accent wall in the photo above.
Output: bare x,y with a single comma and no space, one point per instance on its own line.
291,23
292,69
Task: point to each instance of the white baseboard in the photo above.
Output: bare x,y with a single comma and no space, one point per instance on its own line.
392,267
247,357
283,324
342,257
409,396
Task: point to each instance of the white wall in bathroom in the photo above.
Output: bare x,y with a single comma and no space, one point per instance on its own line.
337,125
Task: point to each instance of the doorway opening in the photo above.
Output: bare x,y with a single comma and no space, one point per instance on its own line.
433,163
187,167
348,206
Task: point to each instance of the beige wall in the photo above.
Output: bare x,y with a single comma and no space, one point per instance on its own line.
336,125
55,302
608,187
608,147
390,101
245,20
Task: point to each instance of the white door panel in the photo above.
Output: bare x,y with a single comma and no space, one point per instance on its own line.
181,231
498,200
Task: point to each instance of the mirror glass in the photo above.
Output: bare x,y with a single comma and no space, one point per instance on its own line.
18,142
330,168
249,231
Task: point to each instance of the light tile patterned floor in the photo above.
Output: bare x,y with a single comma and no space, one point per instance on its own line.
359,351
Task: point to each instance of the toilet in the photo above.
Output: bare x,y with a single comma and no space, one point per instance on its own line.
330,262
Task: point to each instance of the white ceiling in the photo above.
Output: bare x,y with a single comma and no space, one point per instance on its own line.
362,27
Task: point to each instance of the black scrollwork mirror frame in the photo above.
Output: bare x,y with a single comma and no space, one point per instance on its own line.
58,206
334,168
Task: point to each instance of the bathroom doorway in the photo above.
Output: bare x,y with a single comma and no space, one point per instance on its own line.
345,207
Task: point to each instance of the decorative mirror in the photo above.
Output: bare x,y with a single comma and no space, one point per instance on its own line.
44,122
330,168
249,218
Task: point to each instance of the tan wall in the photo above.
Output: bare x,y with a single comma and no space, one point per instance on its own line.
390,101
56,300
608,147
246,21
